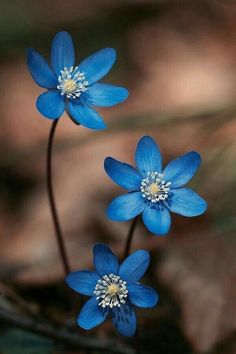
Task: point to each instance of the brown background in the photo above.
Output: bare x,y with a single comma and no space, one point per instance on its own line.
178,60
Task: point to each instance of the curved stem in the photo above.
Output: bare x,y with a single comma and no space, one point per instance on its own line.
126,253
130,237
51,199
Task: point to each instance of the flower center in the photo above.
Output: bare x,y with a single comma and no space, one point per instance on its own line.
69,86
111,291
72,82
154,188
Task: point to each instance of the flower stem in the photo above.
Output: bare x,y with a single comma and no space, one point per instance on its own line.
130,237
52,204
126,253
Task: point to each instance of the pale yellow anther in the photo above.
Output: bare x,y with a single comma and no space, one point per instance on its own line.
112,289
153,188
69,86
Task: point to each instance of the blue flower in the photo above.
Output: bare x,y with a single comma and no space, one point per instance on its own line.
114,289
74,88
152,191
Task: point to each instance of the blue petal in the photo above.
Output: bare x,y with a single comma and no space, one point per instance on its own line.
186,202
62,52
97,65
126,207
83,282
124,319
122,174
104,95
134,266
40,70
157,220
51,104
104,260
148,156
86,116
142,296
91,314
181,170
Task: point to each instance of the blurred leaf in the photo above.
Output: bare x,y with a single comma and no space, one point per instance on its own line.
15,341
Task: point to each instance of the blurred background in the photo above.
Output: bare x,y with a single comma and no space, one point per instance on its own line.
178,60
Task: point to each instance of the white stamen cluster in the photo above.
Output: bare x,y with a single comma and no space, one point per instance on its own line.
111,291
154,188
72,82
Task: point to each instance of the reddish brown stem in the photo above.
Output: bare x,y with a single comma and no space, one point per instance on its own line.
51,198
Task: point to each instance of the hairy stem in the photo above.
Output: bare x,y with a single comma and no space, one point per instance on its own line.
52,204
126,253
130,237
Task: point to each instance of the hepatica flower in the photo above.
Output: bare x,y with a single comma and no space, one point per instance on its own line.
114,289
152,191
74,88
